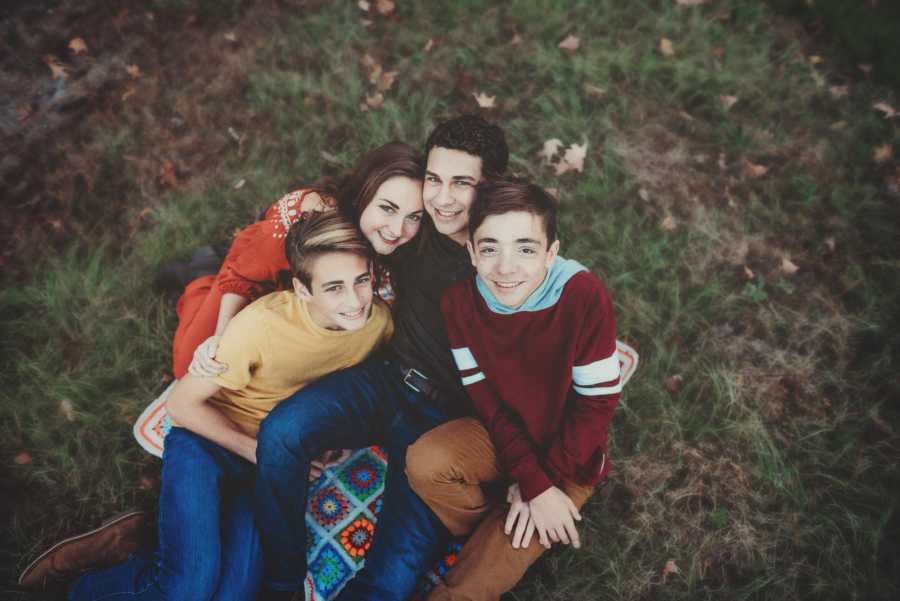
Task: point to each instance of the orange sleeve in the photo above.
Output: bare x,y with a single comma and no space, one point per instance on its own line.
256,256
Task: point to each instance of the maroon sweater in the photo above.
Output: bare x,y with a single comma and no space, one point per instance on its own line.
545,383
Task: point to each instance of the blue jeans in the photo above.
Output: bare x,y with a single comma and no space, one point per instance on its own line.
208,541
358,407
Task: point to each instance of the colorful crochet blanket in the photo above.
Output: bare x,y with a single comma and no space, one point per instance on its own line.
344,503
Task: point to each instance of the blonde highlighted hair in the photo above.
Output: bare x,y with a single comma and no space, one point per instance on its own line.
317,234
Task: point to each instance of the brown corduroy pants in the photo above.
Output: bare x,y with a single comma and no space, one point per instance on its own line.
449,468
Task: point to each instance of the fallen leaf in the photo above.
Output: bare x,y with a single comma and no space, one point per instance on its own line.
673,383
363,5
231,37
59,70
23,112
554,192
670,568
865,68
815,59
595,91
721,162
77,45
516,40
754,171
366,22
839,91
167,174
788,267
830,243
888,110
375,100
134,71
429,45
551,147
385,7
572,159
748,273
690,2
668,224
386,81
666,48
838,125
67,409
484,101
643,195
728,101
239,184
571,43
882,153
719,52
22,458
129,92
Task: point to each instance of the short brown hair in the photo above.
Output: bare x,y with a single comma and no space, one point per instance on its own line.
357,188
318,234
505,195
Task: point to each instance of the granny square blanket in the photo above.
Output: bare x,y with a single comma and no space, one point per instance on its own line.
344,503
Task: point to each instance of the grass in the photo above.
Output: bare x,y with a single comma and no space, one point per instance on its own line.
769,470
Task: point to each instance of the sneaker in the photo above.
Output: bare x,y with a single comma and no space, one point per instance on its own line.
102,547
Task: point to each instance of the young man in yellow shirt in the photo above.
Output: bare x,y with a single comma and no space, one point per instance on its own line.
208,542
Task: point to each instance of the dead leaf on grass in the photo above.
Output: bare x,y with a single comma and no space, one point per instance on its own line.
363,5
168,176
830,243
77,46
231,37
888,110
516,40
571,43
788,267
23,112
23,458
754,171
719,52
239,184
670,568
668,224
67,410
838,125
728,101
551,147
134,71
429,45
690,2
59,70
673,383
815,59
595,91
643,195
129,92
484,101
666,48
386,81
865,68
572,159
385,7
882,153
554,192
748,273
375,101
838,92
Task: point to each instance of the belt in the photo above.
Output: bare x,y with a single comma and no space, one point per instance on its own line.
416,380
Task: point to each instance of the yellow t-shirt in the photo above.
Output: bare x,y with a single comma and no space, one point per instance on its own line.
273,348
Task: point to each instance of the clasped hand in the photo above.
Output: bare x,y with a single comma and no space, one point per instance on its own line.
551,514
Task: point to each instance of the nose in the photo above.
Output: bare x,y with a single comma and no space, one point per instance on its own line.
443,196
354,300
505,264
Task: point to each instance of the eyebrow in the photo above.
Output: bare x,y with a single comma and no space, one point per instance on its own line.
468,178
393,204
517,241
333,282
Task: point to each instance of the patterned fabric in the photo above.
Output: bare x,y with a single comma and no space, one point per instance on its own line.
344,503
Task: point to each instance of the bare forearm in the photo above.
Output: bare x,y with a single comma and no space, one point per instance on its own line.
210,423
229,306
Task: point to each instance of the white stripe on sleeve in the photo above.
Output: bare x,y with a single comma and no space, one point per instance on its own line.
473,378
465,360
596,372
598,390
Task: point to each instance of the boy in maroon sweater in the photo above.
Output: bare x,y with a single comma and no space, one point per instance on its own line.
533,337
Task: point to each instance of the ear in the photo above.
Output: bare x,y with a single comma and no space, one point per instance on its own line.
301,290
552,252
471,250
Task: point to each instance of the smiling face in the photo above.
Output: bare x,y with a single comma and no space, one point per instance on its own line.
394,214
339,296
511,255
450,179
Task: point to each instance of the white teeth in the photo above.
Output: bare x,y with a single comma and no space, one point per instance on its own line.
448,213
388,237
355,315
507,285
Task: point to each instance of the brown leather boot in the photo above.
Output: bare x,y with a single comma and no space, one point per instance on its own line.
102,547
